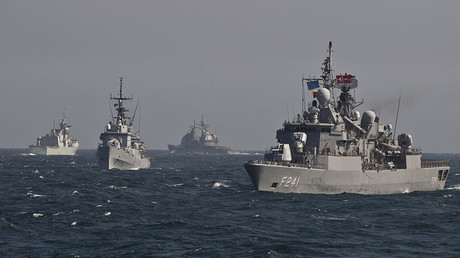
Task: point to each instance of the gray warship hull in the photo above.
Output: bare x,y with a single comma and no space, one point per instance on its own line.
109,157
330,148
273,177
53,150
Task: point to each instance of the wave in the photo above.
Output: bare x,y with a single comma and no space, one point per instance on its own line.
453,187
112,187
219,185
30,194
25,154
174,185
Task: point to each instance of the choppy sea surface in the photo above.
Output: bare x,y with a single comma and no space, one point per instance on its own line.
205,205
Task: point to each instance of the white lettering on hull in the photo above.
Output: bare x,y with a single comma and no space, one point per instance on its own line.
290,181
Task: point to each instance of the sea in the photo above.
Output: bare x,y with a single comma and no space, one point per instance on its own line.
206,206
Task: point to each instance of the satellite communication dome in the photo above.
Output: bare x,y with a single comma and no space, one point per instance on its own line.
323,96
357,115
367,119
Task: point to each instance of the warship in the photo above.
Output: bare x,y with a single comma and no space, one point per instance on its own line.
204,143
58,142
331,149
121,148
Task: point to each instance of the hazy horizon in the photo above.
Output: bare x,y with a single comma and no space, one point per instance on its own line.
239,63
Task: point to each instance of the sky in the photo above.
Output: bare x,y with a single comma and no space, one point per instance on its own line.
239,63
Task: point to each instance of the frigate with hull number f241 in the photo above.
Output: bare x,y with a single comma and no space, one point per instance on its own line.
121,148
331,149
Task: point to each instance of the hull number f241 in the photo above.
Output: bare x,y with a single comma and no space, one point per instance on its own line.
289,181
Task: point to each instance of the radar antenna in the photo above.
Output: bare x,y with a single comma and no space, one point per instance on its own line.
121,110
397,113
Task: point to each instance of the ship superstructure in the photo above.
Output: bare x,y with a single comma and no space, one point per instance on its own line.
330,148
58,142
121,148
205,142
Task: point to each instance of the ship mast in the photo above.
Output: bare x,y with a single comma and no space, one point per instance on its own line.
327,72
204,126
121,110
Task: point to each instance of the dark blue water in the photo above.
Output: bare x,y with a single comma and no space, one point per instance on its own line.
206,206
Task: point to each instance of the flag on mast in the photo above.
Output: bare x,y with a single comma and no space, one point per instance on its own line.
312,85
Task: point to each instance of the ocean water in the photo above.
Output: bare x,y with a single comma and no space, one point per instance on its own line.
205,205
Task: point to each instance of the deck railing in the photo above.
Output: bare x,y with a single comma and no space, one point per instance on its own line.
287,164
435,164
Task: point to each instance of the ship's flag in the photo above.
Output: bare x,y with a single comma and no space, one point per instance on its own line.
312,85
314,93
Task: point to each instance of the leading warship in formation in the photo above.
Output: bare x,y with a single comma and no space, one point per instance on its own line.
331,149
121,148
58,142
206,142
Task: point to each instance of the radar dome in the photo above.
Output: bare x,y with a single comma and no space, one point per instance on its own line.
323,96
357,115
367,119
405,140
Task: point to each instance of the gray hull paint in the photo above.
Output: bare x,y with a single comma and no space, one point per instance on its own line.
109,157
53,151
278,178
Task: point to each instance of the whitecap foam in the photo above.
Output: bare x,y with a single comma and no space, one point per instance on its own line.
174,185
112,187
218,185
74,192
73,223
107,213
36,215
454,187
26,154
30,194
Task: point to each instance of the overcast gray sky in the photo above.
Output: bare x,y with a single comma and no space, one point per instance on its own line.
239,63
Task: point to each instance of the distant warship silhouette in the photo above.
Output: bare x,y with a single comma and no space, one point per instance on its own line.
206,142
58,142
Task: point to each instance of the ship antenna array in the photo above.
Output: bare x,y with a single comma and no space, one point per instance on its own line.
397,113
135,110
139,122
110,106
303,95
